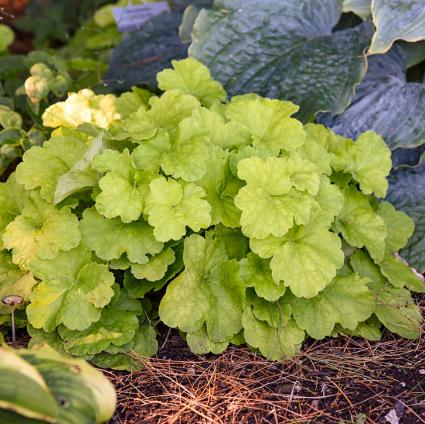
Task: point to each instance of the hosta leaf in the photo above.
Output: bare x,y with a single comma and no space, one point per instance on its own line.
268,122
359,7
111,238
274,343
156,268
395,20
286,50
304,265
346,300
72,291
123,187
173,205
407,192
256,273
383,97
42,166
221,188
145,52
41,231
209,291
368,160
360,225
192,78
269,194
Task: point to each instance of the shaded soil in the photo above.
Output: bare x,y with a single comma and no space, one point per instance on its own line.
332,381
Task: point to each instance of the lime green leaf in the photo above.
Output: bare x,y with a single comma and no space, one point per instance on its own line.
183,155
275,343
116,326
12,200
80,108
363,265
268,122
346,300
330,201
111,238
6,37
209,291
395,20
221,188
368,160
399,274
156,268
123,187
130,102
42,166
80,176
41,231
200,343
298,260
13,282
235,242
256,273
72,291
173,205
166,112
369,330
268,202
360,225
399,226
40,337
396,309
8,117
191,77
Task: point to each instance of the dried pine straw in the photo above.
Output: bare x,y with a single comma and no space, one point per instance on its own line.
333,381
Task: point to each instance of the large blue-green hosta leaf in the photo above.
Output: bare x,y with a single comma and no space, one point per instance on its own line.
397,20
282,49
407,192
385,103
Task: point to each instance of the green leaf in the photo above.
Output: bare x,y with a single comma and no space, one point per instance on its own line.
399,226
41,231
360,225
369,330
363,265
173,205
384,84
111,238
73,291
407,192
235,242
200,343
209,291
191,77
6,37
116,326
42,166
12,199
256,273
286,50
80,176
123,187
368,160
396,309
13,282
277,190
221,188
181,156
346,301
268,122
303,264
275,343
395,20
156,268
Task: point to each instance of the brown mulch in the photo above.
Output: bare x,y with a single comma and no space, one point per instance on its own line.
342,380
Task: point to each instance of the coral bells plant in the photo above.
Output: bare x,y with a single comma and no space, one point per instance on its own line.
228,220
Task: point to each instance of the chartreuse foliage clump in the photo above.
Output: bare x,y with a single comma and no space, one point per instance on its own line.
228,220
